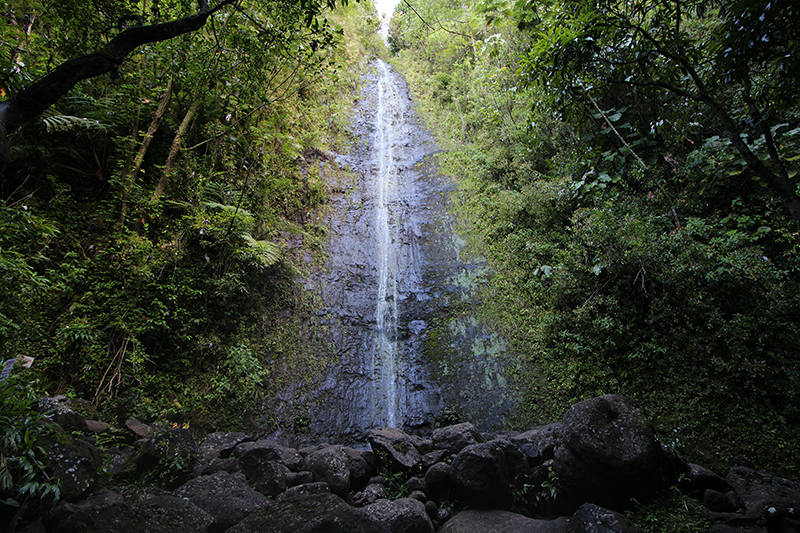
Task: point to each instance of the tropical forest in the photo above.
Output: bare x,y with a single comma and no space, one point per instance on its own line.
311,220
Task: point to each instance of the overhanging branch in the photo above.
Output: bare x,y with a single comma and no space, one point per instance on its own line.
34,99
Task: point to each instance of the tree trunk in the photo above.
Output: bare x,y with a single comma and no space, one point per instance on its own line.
127,181
173,151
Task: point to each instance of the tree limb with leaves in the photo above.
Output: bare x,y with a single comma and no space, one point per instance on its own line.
747,47
34,99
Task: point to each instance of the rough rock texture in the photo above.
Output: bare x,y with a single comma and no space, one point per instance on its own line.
331,464
697,479
475,521
405,515
93,426
175,447
320,513
143,431
156,512
307,489
252,454
437,476
591,518
608,455
270,478
767,500
371,494
69,413
480,472
220,444
543,438
395,446
227,498
74,465
361,464
455,438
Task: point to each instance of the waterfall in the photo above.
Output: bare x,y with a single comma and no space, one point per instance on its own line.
394,297
384,359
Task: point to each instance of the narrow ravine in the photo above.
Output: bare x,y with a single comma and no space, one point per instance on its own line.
394,297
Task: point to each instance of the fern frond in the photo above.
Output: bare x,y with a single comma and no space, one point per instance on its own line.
265,253
67,122
228,208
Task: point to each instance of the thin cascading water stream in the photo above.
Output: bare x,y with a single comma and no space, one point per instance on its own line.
394,297
384,362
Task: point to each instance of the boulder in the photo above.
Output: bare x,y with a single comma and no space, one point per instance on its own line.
720,502
299,478
480,473
608,455
318,513
361,464
765,495
331,464
252,454
219,445
75,464
697,479
371,494
148,512
396,448
405,515
93,426
225,497
591,518
476,521
270,478
542,438
69,413
437,476
143,431
516,461
307,489
453,439
431,458
229,465
172,454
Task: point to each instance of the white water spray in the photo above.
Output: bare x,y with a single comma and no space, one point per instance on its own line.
385,353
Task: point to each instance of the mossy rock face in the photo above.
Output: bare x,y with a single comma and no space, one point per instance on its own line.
74,463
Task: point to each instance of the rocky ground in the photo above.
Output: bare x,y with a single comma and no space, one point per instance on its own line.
575,476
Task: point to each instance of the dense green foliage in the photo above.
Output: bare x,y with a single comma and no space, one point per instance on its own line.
152,222
24,485
636,250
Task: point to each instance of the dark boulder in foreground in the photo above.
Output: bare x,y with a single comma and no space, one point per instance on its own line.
608,455
572,476
320,513
591,518
145,512
225,497
475,521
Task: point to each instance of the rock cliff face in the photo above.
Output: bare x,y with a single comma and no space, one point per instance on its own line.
456,480
395,297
